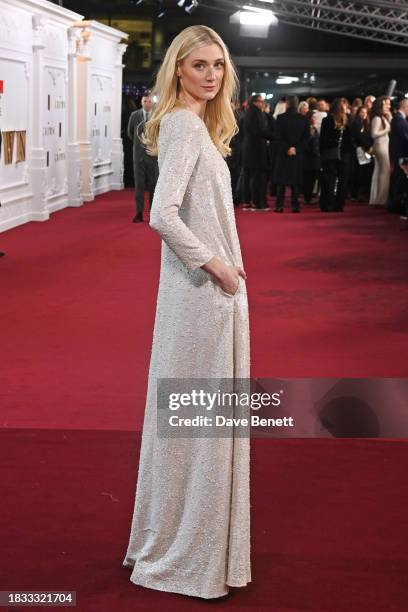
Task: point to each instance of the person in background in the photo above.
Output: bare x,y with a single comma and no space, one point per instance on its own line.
368,103
146,169
311,159
234,161
279,108
312,102
254,154
128,107
398,150
292,131
361,139
321,113
347,107
335,151
271,121
303,108
355,105
380,129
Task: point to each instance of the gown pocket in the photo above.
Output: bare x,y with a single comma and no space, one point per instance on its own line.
230,295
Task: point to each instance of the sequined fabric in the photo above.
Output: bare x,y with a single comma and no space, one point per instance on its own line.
190,531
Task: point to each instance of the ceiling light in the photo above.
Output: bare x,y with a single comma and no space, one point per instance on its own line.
257,18
191,7
286,80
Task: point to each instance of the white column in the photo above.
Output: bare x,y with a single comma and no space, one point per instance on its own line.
39,211
83,105
73,152
117,145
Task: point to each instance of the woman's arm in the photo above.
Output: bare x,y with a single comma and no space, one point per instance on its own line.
376,130
181,145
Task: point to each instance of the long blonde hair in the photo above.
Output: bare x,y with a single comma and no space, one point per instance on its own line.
219,115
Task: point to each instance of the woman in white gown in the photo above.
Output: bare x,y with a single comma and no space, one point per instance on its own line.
380,128
190,531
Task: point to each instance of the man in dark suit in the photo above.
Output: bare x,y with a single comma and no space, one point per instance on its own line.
255,153
291,135
398,150
145,166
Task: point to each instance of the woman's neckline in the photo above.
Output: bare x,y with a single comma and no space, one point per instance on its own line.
181,108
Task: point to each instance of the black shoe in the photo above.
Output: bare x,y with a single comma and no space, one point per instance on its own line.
2,254
138,218
296,209
277,209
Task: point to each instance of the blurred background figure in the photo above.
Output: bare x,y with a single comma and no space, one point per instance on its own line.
303,108
320,109
292,132
279,108
254,154
335,151
234,160
380,129
398,151
271,144
145,167
128,107
311,161
355,105
368,103
362,165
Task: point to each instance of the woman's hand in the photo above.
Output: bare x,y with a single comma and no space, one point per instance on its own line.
229,282
226,276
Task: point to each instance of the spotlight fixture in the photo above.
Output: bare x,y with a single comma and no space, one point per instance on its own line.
190,8
160,9
180,3
253,15
254,21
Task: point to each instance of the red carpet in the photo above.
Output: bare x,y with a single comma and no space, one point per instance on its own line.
327,297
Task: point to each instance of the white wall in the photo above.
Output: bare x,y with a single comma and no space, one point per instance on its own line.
55,67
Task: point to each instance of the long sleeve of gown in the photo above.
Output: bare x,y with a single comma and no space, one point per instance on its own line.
179,148
376,131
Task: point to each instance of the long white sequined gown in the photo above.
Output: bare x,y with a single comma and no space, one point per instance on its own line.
190,531
380,182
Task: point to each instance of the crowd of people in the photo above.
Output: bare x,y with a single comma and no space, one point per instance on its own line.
328,153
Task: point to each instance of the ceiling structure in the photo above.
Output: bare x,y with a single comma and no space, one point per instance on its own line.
327,47
384,21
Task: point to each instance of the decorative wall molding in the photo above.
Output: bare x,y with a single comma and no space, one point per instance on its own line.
68,75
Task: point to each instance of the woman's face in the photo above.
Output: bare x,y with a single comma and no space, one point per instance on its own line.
386,105
202,71
363,114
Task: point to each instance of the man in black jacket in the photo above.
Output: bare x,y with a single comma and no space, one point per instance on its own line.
254,153
398,150
291,135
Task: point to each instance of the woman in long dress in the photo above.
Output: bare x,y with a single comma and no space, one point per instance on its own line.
190,531
380,128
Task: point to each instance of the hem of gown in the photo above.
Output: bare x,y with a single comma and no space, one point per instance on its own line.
170,587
